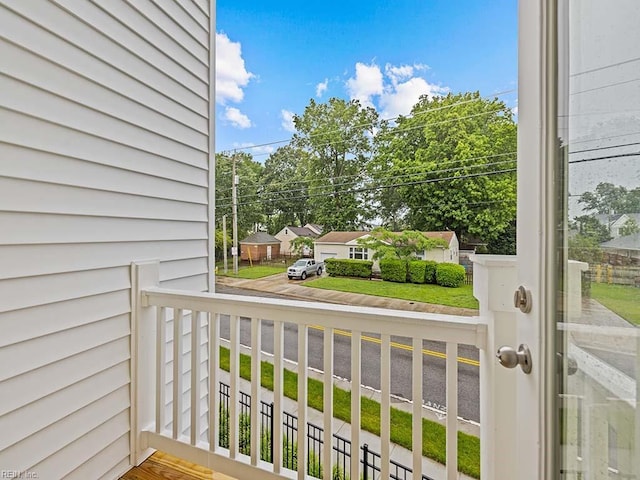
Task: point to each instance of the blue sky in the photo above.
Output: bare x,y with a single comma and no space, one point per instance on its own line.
274,56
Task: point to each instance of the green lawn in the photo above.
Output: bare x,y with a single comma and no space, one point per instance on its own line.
433,434
621,299
453,297
253,272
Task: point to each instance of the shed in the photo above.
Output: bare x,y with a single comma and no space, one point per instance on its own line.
259,246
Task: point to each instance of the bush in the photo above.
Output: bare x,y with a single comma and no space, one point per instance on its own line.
450,275
417,271
348,268
430,271
393,270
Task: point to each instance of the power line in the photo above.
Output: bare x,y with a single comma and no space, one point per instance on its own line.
604,148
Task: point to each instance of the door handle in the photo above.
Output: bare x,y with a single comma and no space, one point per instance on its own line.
511,358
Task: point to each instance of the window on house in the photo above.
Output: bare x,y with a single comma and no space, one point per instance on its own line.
359,253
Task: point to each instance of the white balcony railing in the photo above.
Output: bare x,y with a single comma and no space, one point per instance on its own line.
170,402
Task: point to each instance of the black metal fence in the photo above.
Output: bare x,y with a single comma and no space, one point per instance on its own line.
370,460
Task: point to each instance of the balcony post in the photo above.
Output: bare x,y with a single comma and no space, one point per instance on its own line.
144,275
494,282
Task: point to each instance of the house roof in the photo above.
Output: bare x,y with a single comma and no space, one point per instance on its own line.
340,237
260,238
303,232
346,237
315,227
629,242
607,219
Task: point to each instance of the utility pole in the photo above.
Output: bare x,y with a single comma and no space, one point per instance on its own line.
224,242
234,197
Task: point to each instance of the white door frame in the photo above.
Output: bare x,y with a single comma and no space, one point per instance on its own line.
534,432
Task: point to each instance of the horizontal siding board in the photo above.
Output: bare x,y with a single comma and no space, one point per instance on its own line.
18,260
197,13
31,323
75,439
57,21
29,68
40,104
32,418
102,464
165,44
35,228
38,352
33,291
16,128
183,268
134,35
155,14
36,41
24,163
196,283
203,5
29,196
36,384
185,21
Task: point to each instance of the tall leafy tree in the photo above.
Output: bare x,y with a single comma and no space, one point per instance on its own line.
450,165
608,198
403,245
337,136
284,190
249,171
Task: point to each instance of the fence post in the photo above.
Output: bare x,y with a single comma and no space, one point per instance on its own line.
271,432
365,461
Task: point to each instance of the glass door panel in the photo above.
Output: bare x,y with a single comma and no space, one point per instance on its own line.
599,238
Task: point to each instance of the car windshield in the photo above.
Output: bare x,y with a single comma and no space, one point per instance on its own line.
300,263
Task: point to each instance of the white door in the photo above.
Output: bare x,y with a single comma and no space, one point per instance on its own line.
268,252
579,169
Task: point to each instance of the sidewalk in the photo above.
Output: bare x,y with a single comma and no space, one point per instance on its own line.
279,284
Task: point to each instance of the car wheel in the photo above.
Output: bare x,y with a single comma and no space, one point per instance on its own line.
304,275
320,271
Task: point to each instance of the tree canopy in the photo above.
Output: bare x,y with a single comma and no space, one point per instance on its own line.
403,245
608,198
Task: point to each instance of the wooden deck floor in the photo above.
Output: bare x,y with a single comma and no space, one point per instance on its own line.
162,466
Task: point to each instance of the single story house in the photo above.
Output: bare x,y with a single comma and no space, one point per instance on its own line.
628,246
345,245
614,222
258,246
290,233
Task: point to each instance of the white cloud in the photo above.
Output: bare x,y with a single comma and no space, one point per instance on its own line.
231,73
237,118
322,87
249,147
399,98
367,83
395,92
287,121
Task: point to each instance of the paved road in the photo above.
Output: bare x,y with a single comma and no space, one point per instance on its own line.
433,364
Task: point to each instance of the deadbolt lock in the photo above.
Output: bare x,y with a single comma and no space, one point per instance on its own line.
522,299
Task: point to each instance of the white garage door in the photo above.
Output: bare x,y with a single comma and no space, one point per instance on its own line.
325,255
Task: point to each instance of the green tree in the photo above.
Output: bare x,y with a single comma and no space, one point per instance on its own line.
250,209
630,227
608,198
450,165
590,227
584,249
402,245
284,190
301,244
219,243
337,136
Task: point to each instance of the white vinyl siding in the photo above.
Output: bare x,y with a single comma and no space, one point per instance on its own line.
104,141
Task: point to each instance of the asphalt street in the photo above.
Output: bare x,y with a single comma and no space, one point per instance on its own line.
433,381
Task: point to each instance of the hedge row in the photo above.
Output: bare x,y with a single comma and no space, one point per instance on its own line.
422,271
348,268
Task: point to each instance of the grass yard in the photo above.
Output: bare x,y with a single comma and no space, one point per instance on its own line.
251,273
453,297
621,299
433,434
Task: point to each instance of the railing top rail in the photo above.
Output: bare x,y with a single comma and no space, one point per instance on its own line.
432,326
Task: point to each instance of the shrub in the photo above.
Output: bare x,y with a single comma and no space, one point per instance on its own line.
430,271
393,270
450,275
417,271
348,268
